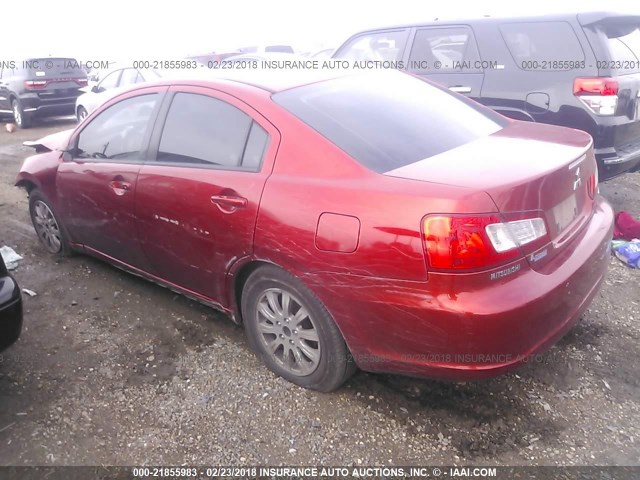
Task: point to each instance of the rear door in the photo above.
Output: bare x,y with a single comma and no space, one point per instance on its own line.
449,56
97,181
197,201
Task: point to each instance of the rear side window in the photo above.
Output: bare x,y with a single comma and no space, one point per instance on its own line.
255,148
388,119
380,46
454,48
205,131
543,45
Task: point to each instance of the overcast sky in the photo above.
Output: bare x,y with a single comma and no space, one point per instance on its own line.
116,29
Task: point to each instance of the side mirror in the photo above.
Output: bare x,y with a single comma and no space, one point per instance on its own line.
95,89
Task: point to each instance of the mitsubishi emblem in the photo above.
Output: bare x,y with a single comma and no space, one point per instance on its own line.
578,181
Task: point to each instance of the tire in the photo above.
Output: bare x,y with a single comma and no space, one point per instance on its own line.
304,347
50,231
82,113
21,119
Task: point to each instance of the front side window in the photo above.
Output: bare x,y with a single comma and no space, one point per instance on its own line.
130,76
110,81
380,46
203,130
118,132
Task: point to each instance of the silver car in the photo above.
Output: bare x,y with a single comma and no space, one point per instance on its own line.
111,83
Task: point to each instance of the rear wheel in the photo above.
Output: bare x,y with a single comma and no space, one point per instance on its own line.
21,119
293,333
48,228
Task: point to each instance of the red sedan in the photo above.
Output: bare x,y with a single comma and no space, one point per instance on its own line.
371,220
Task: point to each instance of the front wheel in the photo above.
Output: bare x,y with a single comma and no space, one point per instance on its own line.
48,228
292,331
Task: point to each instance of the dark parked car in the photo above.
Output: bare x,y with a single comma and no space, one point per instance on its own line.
10,308
575,70
376,214
40,87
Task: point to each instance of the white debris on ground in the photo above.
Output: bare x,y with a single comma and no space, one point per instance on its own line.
10,257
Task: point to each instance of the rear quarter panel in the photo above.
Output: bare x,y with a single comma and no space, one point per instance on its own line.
312,177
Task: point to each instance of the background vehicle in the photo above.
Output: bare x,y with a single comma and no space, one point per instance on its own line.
111,84
212,58
578,70
322,54
238,60
372,214
268,49
10,308
39,87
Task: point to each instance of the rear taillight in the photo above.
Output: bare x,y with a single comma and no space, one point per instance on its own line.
599,94
35,84
82,82
477,242
592,186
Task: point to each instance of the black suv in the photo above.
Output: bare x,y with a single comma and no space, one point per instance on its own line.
578,70
10,308
39,87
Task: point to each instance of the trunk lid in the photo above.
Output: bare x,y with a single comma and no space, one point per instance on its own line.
56,141
528,170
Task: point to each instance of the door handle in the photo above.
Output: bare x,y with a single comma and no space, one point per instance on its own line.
229,201
460,89
119,187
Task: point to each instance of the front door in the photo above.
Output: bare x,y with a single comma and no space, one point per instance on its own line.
97,180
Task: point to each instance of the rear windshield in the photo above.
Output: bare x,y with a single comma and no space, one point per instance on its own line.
387,119
624,47
53,67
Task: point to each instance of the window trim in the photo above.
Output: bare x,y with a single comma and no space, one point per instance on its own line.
154,146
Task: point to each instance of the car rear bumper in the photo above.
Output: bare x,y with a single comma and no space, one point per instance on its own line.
612,163
466,326
33,105
10,312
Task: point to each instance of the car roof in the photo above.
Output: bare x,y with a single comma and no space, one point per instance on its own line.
585,17
271,80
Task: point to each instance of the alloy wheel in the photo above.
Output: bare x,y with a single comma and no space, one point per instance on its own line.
47,227
288,332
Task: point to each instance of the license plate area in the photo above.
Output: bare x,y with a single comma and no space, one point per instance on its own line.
565,213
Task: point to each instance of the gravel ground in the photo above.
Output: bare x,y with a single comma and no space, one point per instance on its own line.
114,370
